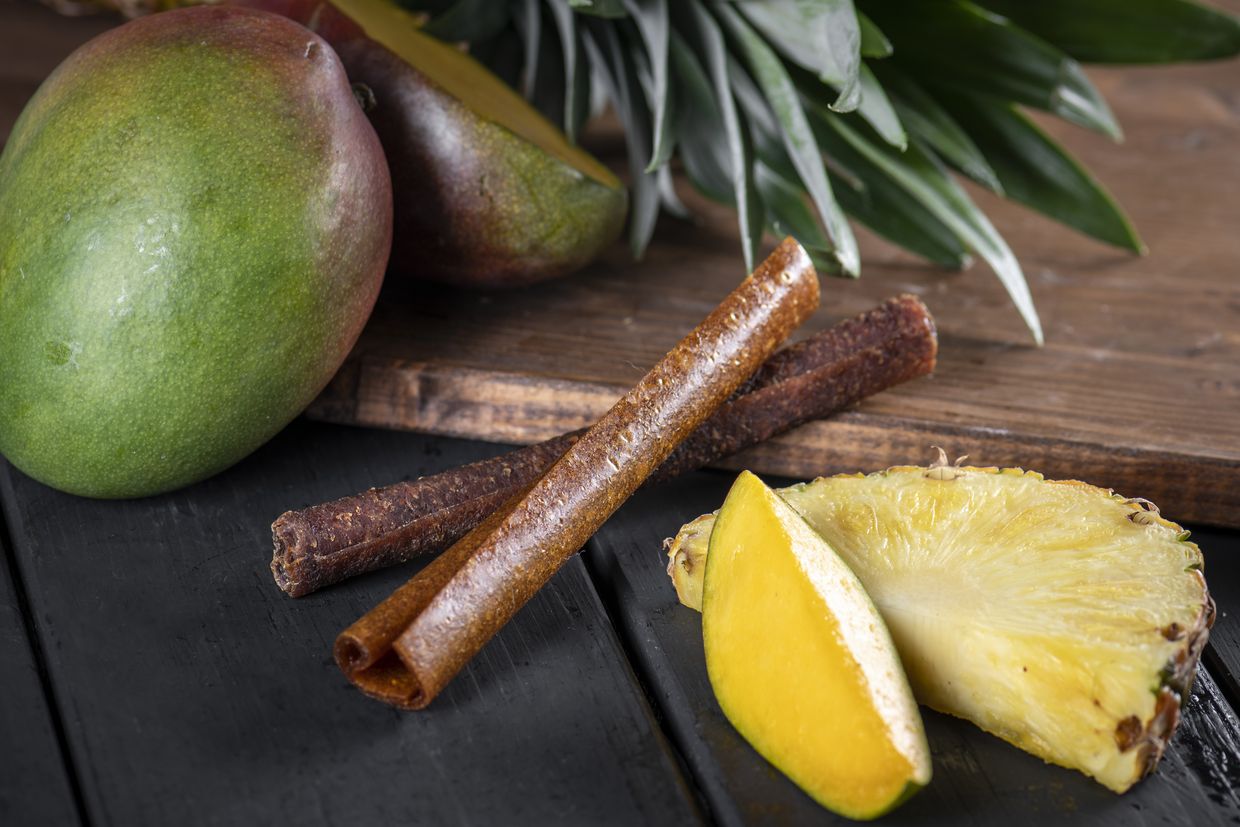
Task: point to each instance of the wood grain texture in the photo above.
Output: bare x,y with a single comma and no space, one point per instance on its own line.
1138,388
195,692
34,782
978,779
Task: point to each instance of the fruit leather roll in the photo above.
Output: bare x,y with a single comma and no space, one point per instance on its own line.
858,357
407,649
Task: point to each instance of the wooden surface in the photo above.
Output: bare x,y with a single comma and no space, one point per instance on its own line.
34,782
1224,574
152,673
1137,389
191,691
978,780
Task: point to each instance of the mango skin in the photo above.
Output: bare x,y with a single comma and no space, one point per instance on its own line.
195,218
476,205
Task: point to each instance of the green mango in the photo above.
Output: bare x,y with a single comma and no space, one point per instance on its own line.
195,219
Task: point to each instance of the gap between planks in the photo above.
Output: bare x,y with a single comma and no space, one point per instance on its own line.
38,656
661,713
245,725
1222,569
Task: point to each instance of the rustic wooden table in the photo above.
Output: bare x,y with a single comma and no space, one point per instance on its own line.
154,675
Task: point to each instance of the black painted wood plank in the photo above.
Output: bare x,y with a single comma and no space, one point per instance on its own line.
1222,554
197,693
34,781
978,779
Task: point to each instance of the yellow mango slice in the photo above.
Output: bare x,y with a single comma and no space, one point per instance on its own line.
801,661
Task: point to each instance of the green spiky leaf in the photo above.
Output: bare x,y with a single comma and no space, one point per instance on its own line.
668,197
656,98
956,44
874,44
925,180
707,156
871,195
652,23
1128,31
1039,173
886,209
926,118
874,107
576,71
763,125
789,213
749,208
528,20
469,20
614,65
822,36
600,8
502,54
749,94
777,86
878,112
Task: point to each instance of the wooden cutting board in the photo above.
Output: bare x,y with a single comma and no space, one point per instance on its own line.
1137,388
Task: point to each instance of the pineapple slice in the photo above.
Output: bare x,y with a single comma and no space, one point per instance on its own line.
1058,616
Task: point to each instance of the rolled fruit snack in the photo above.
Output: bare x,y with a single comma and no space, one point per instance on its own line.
407,649
860,356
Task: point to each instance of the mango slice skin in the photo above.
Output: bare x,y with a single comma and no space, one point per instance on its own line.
488,192
801,662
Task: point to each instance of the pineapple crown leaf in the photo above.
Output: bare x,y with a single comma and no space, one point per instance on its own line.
798,113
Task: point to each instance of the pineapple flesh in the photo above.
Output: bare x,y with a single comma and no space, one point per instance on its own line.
1058,616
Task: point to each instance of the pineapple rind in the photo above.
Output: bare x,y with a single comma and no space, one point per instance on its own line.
1043,611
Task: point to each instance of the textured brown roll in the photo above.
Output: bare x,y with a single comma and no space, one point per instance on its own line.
410,646
327,543
857,358
835,368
